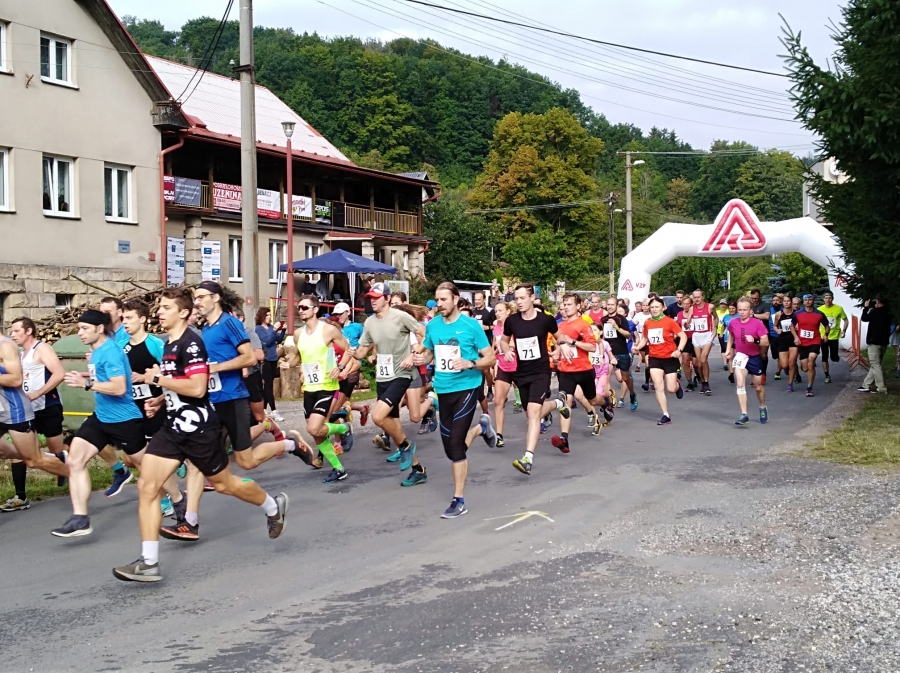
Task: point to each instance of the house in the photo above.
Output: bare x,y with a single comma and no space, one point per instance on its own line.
108,158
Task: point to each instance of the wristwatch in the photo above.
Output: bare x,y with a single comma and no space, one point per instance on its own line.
155,379
89,384
474,364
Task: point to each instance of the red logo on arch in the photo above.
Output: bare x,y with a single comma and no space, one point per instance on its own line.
737,229
840,281
626,286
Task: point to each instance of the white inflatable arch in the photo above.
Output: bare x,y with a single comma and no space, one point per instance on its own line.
737,232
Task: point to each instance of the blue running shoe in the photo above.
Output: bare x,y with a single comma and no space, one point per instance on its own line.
743,420
665,420
181,471
415,478
335,475
347,439
456,509
434,400
406,457
763,415
634,402
433,421
680,392
166,505
394,457
487,431
118,482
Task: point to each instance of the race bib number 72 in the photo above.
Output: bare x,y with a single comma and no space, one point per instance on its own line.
655,335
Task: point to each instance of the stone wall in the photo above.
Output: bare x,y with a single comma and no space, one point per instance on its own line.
30,290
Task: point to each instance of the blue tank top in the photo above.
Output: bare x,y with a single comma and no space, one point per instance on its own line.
15,407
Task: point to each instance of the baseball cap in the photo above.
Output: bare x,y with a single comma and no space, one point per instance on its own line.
431,303
94,317
807,296
723,301
379,290
211,286
340,307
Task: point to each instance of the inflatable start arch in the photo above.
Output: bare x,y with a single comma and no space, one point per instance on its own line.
737,232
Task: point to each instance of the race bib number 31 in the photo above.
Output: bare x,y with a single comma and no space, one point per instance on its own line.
444,356
385,366
140,391
528,348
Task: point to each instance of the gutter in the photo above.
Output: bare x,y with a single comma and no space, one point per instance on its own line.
162,208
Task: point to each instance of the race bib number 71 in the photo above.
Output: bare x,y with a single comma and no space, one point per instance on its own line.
528,348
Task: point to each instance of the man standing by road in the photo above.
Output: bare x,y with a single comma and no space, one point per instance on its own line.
877,338
747,338
834,333
485,316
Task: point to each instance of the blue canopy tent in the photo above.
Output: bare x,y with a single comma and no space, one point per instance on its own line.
339,261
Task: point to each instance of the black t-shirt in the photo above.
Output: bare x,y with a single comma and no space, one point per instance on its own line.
183,358
140,360
672,310
762,308
619,343
530,341
485,316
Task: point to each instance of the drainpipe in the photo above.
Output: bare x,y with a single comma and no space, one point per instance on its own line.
162,209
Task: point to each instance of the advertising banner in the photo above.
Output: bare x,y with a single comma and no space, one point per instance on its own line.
267,203
227,197
211,260
174,261
302,206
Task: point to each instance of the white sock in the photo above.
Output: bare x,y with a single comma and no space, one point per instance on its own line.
192,518
270,507
529,457
290,445
150,552
559,405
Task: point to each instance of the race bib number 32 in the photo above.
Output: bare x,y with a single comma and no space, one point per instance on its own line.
444,356
528,348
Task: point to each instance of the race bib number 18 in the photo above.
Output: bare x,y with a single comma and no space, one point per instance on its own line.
312,374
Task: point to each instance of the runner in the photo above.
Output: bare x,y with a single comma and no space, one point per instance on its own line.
485,316
505,369
704,325
603,362
192,431
530,329
315,341
641,314
660,333
114,308
596,311
352,331
774,343
685,318
459,348
676,306
833,333
616,334
721,312
389,330
805,327
747,338
763,313
787,349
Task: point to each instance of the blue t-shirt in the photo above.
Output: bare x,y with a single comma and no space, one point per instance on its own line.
222,339
352,331
155,346
107,362
122,337
462,338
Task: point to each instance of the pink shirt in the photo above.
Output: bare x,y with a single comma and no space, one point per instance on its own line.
740,330
502,364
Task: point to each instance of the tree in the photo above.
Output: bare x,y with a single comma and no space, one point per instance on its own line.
461,244
801,274
716,179
771,184
678,196
542,257
853,107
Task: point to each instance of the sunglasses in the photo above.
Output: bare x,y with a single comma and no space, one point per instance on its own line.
304,308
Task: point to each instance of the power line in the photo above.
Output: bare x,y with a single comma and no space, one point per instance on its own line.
206,61
588,39
546,206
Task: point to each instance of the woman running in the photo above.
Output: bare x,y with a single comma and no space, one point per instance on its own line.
502,379
660,332
686,320
787,349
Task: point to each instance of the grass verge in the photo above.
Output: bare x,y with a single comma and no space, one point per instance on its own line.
41,485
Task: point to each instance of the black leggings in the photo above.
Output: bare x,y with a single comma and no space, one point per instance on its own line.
270,373
457,412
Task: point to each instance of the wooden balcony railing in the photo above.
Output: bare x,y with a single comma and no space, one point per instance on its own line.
360,217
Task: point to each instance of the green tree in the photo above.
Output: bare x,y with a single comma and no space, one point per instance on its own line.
542,257
678,196
801,274
853,108
461,244
771,184
716,179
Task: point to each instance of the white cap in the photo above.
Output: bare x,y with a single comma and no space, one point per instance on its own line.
339,308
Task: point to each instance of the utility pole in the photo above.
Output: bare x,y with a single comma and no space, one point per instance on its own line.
628,229
611,204
249,217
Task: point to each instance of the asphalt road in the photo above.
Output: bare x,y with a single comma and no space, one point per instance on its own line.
692,547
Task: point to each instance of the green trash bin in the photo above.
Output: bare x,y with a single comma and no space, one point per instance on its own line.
77,403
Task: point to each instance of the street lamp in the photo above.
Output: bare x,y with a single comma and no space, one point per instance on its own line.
628,166
288,132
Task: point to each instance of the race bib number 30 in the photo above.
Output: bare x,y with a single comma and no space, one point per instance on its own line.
444,356
655,335
385,366
528,348
807,334
312,374
740,360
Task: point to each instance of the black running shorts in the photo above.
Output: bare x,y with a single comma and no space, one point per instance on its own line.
506,377
317,402
668,365
806,351
391,393
348,385
128,435
568,381
153,424
459,410
27,426
49,421
254,383
237,421
204,449
534,388
830,350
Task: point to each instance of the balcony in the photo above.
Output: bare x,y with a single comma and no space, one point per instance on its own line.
400,222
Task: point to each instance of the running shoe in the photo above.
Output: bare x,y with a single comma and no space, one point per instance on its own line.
612,397
517,408
609,412
690,387
731,378
652,387
406,456
415,477
181,471
592,418
118,482
777,376
705,389
302,450
347,438
634,402
725,367
14,504
565,412
665,420
743,419
338,416
278,418
500,442
383,442
423,426
637,369
790,387
394,457
318,462
560,443
809,392
434,400
208,487
621,404
490,395
595,430
680,392
696,380
523,465
338,449
335,475
60,480
433,421
763,415
276,432
546,422
138,571
76,526
487,431
180,507
182,530
364,415
276,524
166,506
863,389
645,387
456,508
827,378
797,378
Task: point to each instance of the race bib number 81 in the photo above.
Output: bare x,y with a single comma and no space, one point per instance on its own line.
385,366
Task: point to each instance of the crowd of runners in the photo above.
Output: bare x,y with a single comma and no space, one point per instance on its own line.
177,406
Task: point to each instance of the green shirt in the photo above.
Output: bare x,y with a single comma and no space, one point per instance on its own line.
835,315
390,336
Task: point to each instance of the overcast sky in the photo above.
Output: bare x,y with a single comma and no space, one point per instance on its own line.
626,87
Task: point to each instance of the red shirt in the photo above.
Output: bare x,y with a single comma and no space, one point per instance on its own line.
701,318
807,324
687,324
661,335
573,330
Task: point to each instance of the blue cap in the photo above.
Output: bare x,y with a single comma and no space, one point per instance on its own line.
431,303
807,296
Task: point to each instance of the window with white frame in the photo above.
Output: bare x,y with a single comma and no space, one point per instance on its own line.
58,186
117,191
235,247
4,179
4,65
313,250
277,257
56,60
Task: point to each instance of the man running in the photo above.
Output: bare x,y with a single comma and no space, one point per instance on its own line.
659,334
705,324
616,333
763,313
834,333
460,351
774,343
530,329
485,316
596,312
191,432
115,308
641,313
389,330
805,326
748,337
352,331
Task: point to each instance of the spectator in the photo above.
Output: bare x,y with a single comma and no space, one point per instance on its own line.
269,337
306,287
877,339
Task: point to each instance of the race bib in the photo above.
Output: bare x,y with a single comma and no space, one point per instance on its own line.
655,335
92,373
385,366
740,360
597,358
786,325
701,324
832,322
312,374
609,331
807,334
214,384
173,402
528,348
140,391
32,380
444,356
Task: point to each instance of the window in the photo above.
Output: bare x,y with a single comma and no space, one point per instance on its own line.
312,250
406,260
63,301
117,187
277,257
56,60
57,186
4,66
4,179
235,247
